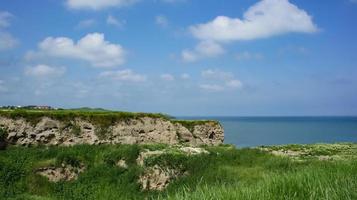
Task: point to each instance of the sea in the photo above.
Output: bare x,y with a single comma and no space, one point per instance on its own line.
262,131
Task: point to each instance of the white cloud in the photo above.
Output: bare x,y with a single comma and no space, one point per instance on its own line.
161,20
3,88
111,20
205,49
167,77
211,87
5,19
123,75
92,48
234,83
248,56
7,41
86,23
44,71
185,76
189,56
217,74
222,80
98,4
264,19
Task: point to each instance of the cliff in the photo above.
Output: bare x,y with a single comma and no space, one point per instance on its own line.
66,128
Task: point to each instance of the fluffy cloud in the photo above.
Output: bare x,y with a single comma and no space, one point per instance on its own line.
234,83
44,71
92,48
111,20
161,20
167,77
264,19
123,75
5,19
248,56
204,49
7,41
86,23
211,87
222,80
3,88
98,4
185,76
217,74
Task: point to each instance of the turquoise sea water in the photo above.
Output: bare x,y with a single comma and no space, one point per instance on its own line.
257,131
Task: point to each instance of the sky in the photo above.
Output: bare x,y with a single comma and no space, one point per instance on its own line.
182,57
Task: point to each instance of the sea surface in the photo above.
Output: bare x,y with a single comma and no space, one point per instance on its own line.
258,131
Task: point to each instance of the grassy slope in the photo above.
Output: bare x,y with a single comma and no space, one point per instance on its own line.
226,173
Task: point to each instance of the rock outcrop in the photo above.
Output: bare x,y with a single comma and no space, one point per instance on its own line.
63,173
143,130
157,178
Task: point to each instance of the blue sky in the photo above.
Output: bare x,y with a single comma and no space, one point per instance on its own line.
181,57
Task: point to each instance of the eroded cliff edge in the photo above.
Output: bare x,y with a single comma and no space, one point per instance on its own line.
66,128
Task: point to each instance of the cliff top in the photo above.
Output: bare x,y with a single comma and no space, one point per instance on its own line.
90,114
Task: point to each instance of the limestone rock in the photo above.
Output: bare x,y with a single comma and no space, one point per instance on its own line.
63,173
145,154
144,130
157,178
194,150
122,163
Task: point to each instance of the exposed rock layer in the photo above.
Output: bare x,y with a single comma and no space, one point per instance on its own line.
144,130
63,173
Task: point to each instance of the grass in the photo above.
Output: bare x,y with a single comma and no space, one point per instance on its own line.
190,124
102,118
225,173
3,134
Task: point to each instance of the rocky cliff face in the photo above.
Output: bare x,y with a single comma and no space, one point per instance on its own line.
142,130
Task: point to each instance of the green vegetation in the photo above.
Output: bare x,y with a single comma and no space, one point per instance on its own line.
76,130
225,173
97,117
3,134
190,124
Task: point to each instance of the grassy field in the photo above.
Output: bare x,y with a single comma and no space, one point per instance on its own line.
224,173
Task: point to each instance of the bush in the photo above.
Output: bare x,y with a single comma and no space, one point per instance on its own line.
3,135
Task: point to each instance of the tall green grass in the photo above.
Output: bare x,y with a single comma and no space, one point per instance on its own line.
225,173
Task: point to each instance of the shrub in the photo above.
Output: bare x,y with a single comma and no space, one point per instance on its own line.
3,135
69,159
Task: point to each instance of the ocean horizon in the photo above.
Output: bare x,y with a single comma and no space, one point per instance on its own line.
252,131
